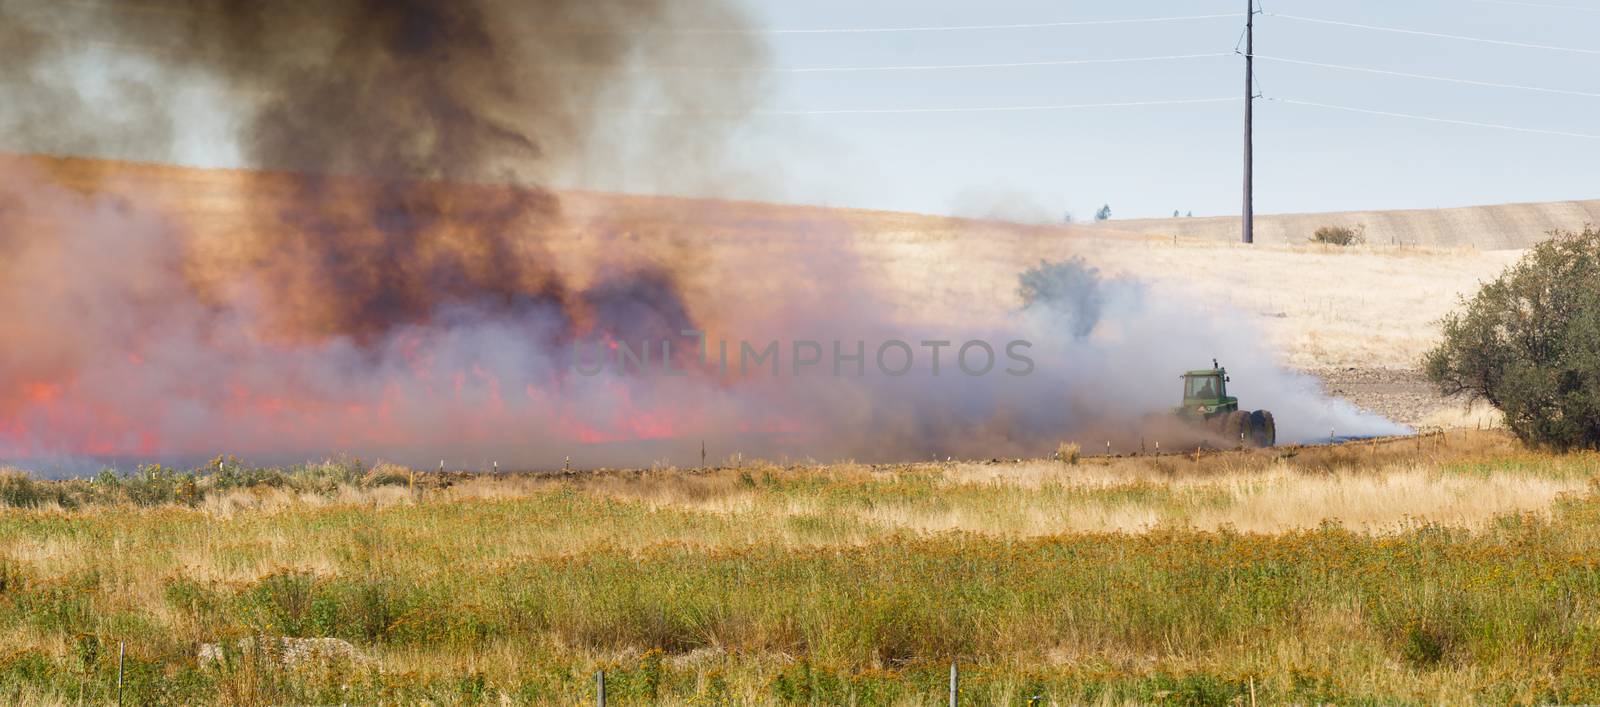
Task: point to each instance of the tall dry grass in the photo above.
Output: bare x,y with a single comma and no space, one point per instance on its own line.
1455,568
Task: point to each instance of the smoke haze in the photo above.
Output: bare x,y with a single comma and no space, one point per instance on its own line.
393,280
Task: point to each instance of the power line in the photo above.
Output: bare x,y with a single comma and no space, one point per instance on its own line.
1435,119
725,31
997,109
945,28
794,70
1427,77
1439,35
954,109
161,8
1521,3
999,65
891,67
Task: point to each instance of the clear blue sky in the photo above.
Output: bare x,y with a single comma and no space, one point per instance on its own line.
1148,161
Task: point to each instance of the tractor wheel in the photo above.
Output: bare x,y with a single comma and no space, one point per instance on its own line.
1266,430
1237,423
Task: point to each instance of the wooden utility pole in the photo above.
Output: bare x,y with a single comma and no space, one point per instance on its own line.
1249,123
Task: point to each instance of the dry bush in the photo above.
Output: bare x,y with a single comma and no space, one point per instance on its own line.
1068,452
1340,235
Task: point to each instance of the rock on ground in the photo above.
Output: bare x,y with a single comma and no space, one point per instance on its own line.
284,651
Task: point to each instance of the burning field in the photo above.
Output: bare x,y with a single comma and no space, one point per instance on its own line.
171,313
390,279
878,443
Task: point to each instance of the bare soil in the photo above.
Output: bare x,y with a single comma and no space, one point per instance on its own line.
1400,394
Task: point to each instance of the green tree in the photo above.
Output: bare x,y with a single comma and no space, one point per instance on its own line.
1103,214
1529,344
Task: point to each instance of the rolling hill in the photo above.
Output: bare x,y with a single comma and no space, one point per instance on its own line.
1495,227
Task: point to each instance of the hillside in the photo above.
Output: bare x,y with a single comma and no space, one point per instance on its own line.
1319,306
1312,308
1493,227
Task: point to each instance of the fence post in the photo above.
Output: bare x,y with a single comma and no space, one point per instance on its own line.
122,653
955,683
600,687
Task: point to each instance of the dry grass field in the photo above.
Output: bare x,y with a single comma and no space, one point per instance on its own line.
1322,306
1453,569
1447,568
1497,227
1322,309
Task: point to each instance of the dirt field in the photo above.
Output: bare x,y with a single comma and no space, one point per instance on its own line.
1405,396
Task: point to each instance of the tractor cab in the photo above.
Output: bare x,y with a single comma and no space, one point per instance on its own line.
1207,407
1205,393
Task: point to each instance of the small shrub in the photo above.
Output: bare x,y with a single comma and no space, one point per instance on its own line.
154,485
18,490
386,474
1068,453
369,607
282,604
328,476
1424,646
191,597
12,580
228,472
1340,235
1529,344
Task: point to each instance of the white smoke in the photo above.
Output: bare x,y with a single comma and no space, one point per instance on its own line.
118,358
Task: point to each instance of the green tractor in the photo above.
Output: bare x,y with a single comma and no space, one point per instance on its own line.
1207,405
